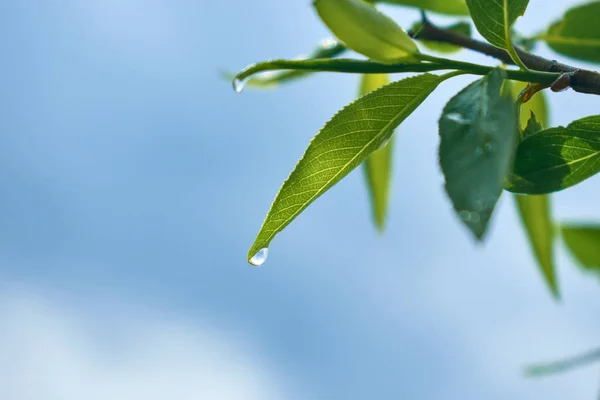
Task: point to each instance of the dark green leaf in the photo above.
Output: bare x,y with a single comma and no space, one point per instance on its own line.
450,7
446,48
584,243
557,158
344,143
577,35
326,49
533,126
367,31
378,167
494,19
478,131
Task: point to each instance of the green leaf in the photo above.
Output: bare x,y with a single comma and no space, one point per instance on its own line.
534,211
564,365
326,49
449,7
584,243
536,105
494,19
478,131
577,35
535,216
557,158
533,126
445,48
342,144
367,31
378,167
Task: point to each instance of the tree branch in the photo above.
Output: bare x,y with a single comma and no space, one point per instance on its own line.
581,80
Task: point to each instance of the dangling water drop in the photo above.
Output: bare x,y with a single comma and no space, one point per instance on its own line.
384,143
328,43
238,84
260,257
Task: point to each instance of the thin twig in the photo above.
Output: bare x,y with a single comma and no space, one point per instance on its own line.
581,80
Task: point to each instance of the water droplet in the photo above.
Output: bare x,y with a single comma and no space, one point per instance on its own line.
478,151
458,118
470,216
384,143
328,43
487,147
260,257
238,84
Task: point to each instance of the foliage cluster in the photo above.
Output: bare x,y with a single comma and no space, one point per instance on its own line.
495,134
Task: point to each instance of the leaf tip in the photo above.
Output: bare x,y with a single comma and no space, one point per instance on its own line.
257,254
533,371
555,293
552,282
379,222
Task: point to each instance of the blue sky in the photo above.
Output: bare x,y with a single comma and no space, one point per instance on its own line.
133,182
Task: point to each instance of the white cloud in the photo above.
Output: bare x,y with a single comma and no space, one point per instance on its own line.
50,352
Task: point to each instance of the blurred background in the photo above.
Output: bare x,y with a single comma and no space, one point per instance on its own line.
133,180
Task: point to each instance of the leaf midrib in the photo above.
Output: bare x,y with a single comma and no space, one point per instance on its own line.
506,25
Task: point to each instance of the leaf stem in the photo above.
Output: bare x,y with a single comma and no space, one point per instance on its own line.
515,56
370,67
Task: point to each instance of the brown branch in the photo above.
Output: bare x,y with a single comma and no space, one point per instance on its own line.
581,80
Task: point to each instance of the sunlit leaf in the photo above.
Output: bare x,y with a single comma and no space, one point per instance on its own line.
577,35
583,242
557,158
450,7
478,131
366,30
342,144
378,167
494,19
446,48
